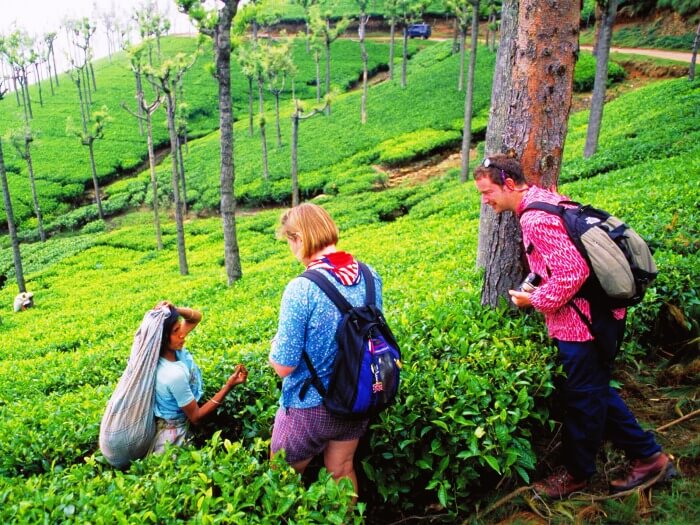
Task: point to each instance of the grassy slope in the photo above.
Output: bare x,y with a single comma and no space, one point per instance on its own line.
63,357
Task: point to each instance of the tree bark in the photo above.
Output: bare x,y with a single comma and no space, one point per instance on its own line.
469,97
606,21
179,226
263,137
363,52
295,141
543,75
95,183
536,116
154,180
696,42
11,228
32,184
222,52
328,66
462,52
250,106
392,34
404,60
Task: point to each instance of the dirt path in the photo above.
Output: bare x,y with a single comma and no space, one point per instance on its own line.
680,56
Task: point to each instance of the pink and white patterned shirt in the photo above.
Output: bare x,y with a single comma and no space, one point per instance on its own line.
552,255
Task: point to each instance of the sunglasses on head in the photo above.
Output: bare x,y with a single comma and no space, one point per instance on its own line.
488,163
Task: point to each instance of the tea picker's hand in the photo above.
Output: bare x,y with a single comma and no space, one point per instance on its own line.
520,299
240,375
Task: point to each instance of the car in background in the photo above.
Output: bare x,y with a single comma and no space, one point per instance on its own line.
419,31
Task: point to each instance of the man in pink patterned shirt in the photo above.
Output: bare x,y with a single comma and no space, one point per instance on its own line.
593,410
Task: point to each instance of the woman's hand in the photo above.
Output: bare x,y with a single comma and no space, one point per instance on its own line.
240,375
520,299
163,304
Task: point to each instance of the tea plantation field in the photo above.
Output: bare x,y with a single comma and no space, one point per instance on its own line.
477,383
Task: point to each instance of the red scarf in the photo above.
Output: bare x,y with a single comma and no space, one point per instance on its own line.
342,266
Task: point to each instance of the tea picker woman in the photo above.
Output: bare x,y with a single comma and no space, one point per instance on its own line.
179,381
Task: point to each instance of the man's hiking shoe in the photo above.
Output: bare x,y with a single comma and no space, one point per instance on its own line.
642,470
558,485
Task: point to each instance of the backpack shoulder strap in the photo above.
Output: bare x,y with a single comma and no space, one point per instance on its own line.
554,209
370,293
327,287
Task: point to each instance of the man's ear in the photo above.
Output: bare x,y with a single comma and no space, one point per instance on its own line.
509,183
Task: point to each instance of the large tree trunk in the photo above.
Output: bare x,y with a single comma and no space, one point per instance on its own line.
32,184
606,20
19,272
543,74
535,119
691,70
222,51
154,180
469,98
179,226
95,183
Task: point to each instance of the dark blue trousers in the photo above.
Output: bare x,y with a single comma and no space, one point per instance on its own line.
594,411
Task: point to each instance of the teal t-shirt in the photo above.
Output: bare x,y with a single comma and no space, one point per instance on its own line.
178,383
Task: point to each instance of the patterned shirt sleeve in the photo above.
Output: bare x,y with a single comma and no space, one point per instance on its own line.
290,340
567,268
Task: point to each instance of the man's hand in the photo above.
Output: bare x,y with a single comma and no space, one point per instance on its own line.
520,299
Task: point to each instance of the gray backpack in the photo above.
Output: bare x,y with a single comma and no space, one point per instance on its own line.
621,264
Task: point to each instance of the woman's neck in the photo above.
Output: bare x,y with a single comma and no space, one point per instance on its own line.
319,254
169,354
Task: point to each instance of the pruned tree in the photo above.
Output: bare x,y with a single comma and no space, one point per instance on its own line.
322,26
165,78
253,64
492,24
151,22
216,24
297,116
363,18
82,31
11,227
462,11
409,11
305,5
469,96
17,48
279,67
19,53
144,114
9,215
530,106
110,23
391,15
608,10
50,38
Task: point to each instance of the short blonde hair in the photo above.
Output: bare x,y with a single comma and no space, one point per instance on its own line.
312,224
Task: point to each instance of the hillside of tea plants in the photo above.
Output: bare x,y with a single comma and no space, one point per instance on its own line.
475,411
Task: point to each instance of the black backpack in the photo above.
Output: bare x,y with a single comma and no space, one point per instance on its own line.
620,262
365,375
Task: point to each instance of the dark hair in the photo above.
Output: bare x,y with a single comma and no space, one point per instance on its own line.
168,325
498,168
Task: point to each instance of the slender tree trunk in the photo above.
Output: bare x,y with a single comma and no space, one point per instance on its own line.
392,34
404,61
277,118
295,141
27,98
456,37
263,138
696,42
500,233
179,223
154,180
181,169
92,74
606,21
462,52
35,198
306,30
328,72
38,83
11,228
139,96
469,98
317,59
363,51
222,53
48,68
55,70
250,106
14,84
95,183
